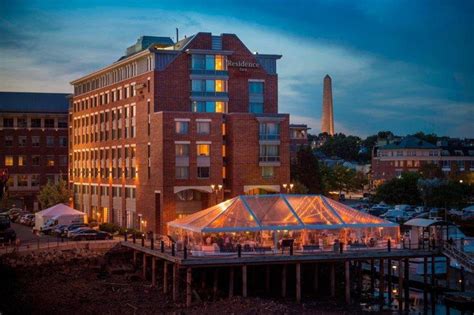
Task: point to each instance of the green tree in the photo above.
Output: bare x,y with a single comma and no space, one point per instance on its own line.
51,194
342,179
299,188
345,147
403,190
306,171
430,137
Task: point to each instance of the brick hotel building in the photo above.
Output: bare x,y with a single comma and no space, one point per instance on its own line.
33,143
173,128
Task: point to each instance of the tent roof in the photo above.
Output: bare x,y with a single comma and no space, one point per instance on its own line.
426,222
277,212
59,209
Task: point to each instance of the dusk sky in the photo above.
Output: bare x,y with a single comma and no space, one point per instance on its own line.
402,66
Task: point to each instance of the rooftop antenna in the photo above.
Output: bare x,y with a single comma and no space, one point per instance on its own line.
177,35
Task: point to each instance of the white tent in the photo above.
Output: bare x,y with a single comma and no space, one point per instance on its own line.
59,210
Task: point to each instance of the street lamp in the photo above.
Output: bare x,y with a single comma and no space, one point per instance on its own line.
216,189
460,181
288,187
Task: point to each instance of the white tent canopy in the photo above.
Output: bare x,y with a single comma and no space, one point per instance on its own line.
56,211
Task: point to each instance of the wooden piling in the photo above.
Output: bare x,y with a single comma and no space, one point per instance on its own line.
267,278
381,283
175,282
298,283
389,282
347,282
215,284
400,285
333,280
135,258
153,271
189,277
407,285
144,267
165,277
316,278
244,280
425,284
231,282
283,281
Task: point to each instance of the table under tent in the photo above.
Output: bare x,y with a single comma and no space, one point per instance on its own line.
264,222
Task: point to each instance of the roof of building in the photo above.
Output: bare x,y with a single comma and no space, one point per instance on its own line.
30,102
277,212
420,222
409,142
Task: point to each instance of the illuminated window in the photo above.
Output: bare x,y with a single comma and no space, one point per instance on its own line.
21,160
223,151
220,107
220,86
224,172
203,149
8,160
220,62
182,150
22,181
50,160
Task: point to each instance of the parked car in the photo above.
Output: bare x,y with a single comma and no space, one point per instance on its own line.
73,227
28,219
59,229
7,234
420,209
378,210
91,234
468,213
437,213
396,215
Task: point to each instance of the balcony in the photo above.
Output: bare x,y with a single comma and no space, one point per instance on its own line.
269,161
269,136
209,94
210,72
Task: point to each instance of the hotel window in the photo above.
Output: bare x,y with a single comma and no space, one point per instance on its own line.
409,163
268,171
8,122
50,160
49,123
63,141
255,87
36,123
182,127
35,180
22,181
203,127
256,107
182,172
209,107
203,149
63,160
8,160
22,141
116,191
182,150
50,141
203,172
21,160
220,62
21,122
269,131
62,123
35,141
8,141
269,153
35,160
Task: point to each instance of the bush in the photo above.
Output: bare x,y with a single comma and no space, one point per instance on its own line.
109,227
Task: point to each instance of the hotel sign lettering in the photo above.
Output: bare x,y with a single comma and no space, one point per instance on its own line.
242,65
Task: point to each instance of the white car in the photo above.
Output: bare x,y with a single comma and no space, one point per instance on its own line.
396,215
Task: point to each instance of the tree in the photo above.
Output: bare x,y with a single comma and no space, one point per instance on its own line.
342,179
430,171
306,171
430,137
403,190
299,188
345,147
445,194
52,194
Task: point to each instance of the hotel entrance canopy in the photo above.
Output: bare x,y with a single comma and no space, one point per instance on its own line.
277,212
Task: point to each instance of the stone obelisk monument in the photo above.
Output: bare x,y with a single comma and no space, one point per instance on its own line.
327,119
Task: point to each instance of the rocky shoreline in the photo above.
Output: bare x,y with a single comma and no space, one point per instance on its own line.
82,281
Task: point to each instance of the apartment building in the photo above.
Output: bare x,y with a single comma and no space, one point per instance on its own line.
172,128
33,142
409,153
298,139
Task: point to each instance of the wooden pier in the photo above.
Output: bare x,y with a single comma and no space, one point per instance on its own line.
288,268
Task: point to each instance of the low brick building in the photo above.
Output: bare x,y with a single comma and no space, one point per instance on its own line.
172,128
409,153
33,142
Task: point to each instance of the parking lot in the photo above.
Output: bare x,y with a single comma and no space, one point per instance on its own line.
26,236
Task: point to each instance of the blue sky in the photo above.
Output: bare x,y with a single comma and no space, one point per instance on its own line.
396,65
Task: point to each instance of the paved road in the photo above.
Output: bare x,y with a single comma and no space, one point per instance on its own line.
26,236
